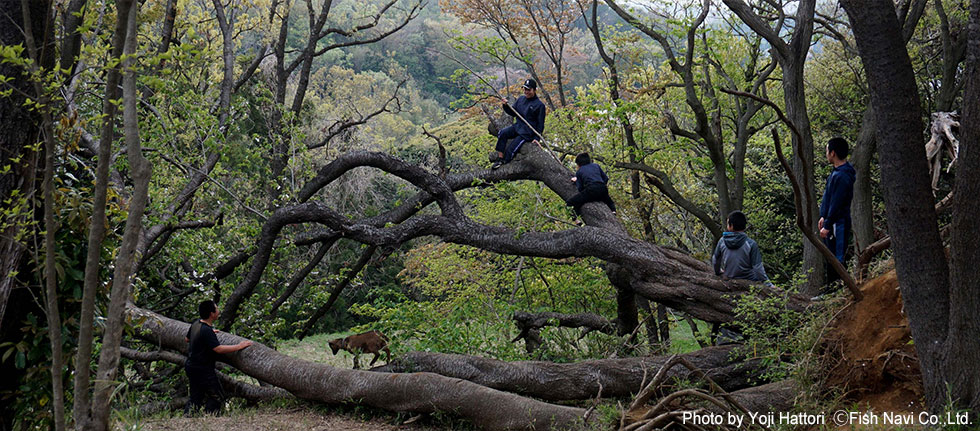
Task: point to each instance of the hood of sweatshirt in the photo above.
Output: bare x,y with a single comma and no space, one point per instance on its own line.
734,240
848,170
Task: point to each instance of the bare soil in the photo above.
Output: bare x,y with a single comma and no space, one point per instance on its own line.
870,351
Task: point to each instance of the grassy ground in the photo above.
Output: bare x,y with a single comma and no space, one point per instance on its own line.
315,349
682,339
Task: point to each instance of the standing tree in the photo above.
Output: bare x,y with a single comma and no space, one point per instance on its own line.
791,56
695,65
939,294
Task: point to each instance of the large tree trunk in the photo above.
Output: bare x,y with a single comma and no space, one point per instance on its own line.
771,397
803,147
920,259
415,392
862,206
963,352
232,387
581,380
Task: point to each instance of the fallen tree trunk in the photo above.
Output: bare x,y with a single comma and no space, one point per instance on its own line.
232,387
530,325
581,380
771,397
415,392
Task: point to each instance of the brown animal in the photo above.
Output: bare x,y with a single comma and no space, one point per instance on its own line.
368,342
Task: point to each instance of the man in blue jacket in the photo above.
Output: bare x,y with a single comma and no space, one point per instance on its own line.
835,209
591,183
532,110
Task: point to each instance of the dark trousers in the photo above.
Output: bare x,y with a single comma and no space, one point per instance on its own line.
591,193
836,241
509,150
205,390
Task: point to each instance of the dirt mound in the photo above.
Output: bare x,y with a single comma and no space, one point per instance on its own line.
870,352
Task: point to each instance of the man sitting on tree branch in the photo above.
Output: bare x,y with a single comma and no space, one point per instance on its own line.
530,114
737,256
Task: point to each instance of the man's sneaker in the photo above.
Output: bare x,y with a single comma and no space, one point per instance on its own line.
496,165
493,156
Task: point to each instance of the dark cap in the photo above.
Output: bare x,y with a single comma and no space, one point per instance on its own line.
530,84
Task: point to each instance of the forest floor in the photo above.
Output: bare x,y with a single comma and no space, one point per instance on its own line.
296,415
297,418
867,349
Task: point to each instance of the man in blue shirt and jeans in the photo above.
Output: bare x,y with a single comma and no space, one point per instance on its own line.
835,209
528,107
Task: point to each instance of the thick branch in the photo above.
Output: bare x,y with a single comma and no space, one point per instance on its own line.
657,273
232,387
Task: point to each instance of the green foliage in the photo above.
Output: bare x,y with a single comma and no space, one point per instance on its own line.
782,338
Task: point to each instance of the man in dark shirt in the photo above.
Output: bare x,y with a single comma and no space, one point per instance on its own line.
528,107
203,349
835,209
591,183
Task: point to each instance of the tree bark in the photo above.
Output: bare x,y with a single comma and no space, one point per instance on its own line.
770,397
862,206
919,254
415,392
126,259
96,234
581,380
803,147
47,270
962,355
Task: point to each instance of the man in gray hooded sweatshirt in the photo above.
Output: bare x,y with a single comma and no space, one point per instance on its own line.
737,256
